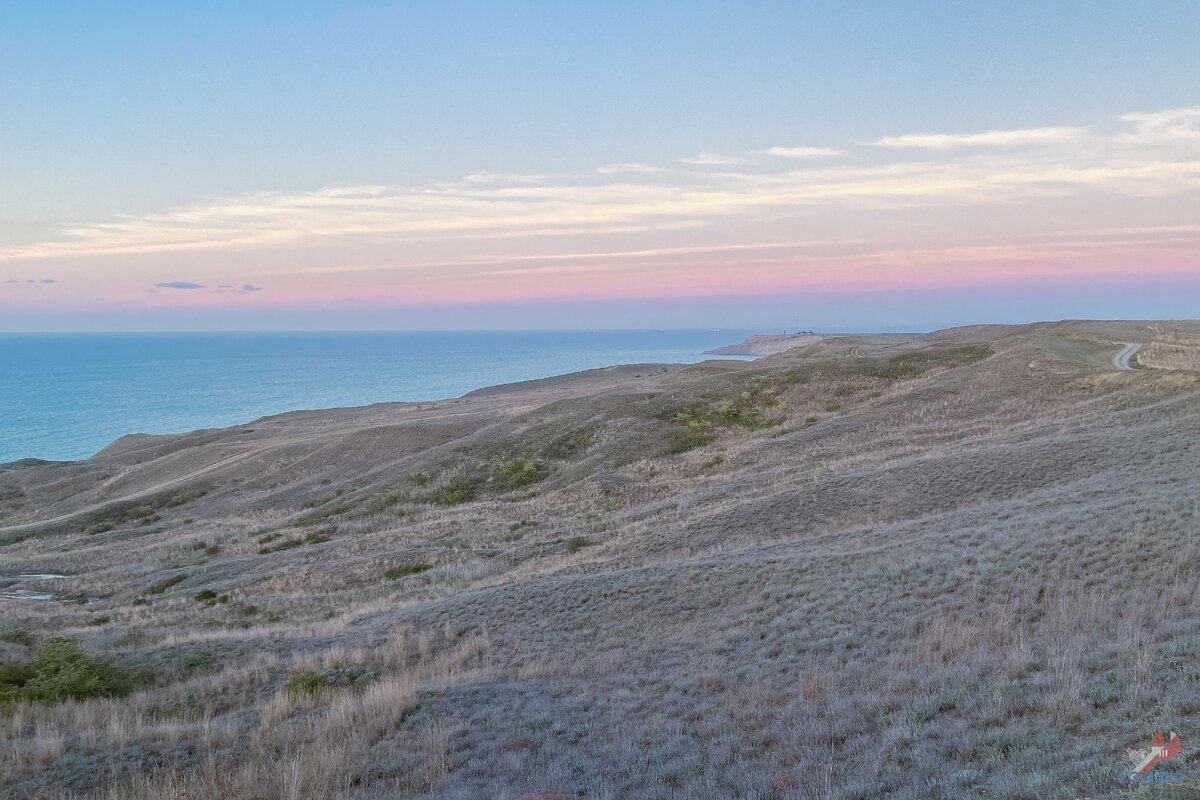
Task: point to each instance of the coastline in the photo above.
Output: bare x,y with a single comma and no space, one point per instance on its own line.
71,396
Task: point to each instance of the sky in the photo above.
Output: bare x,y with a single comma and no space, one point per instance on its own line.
838,165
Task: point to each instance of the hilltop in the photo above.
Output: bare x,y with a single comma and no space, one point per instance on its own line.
960,564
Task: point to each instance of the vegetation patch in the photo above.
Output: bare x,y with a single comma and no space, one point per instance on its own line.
307,684
197,659
20,636
577,543
324,512
140,512
682,441
62,671
517,473
166,583
457,491
404,570
312,537
910,365
570,443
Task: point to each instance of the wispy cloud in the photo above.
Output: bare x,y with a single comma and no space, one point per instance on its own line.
1171,125
773,211
714,160
1013,138
629,168
34,282
803,152
571,204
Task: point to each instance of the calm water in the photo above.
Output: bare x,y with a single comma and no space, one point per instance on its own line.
65,396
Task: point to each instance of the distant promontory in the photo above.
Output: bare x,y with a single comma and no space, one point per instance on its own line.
766,344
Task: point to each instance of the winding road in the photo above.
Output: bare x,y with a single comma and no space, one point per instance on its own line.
1121,359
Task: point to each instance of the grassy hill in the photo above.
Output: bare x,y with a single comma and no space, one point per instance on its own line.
957,565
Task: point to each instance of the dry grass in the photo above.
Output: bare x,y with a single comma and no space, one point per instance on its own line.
967,580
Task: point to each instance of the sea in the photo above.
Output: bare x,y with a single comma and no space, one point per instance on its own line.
66,396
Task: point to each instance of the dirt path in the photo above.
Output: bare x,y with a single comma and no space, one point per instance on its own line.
1121,359
150,490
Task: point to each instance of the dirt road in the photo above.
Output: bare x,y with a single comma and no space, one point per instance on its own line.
1121,359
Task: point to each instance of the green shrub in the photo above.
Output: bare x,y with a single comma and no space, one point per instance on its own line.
681,441
312,537
793,376
355,677
286,544
165,583
517,473
304,683
100,620
62,671
205,596
577,543
140,601
20,636
404,570
458,491
196,659
320,535
383,502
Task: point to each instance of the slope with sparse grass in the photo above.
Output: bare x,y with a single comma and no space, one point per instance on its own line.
945,566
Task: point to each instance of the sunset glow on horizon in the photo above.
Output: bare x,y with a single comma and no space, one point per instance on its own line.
1103,199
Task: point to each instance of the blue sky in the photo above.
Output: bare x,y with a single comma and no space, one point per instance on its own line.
114,111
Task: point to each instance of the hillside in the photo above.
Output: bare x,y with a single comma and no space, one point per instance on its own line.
955,565
766,344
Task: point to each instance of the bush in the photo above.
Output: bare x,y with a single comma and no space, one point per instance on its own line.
681,441
458,491
62,671
312,537
517,473
20,636
404,570
205,596
197,659
577,543
304,683
100,620
166,583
